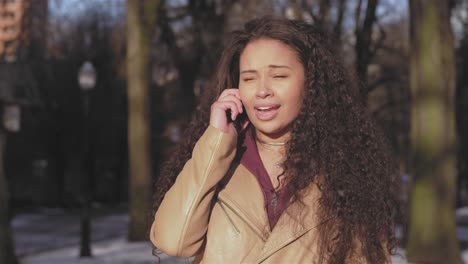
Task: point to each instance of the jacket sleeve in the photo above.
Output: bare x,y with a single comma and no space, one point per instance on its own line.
181,222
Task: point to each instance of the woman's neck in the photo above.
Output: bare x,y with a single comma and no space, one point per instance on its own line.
276,143
272,140
272,151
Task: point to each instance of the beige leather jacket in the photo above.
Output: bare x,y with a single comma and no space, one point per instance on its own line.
230,226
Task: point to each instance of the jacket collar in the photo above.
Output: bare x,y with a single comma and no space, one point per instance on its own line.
298,219
244,196
275,201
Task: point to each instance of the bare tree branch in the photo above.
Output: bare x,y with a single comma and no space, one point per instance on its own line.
391,104
339,21
381,81
393,51
324,13
357,15
378,44
363,42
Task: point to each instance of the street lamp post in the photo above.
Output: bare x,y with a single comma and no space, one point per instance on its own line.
87,82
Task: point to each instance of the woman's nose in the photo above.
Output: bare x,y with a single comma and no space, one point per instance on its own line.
264,89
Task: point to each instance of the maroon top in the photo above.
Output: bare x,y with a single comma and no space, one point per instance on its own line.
275,202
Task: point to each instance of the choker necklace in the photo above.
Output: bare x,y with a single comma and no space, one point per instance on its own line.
275,144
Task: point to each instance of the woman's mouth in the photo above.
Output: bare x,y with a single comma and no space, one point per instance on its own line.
266,113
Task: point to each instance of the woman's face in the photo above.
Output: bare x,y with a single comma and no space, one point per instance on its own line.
271,86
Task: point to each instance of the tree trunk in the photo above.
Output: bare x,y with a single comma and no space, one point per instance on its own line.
10,32
325,15
363,42
338,27
462,122
432,228
7,252
141,17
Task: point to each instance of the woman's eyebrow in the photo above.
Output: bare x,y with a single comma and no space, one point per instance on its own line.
271,66
248,71
278,66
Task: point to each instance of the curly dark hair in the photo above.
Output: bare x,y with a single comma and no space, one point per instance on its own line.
334,144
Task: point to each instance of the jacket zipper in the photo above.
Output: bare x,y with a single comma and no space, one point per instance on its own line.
228,217
222,203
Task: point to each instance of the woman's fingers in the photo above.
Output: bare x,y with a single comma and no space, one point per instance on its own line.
227,105
228,102
232,94
231,91
232,98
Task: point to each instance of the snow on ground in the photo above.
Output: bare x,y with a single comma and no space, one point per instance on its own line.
52,237
116,251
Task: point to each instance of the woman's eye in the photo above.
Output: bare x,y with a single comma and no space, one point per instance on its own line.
247,79
280,76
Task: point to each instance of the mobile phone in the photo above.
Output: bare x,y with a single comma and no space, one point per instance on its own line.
239,120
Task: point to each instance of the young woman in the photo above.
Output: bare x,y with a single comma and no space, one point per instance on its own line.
281,163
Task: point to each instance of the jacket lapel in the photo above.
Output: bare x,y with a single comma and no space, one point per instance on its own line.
296,221
244,196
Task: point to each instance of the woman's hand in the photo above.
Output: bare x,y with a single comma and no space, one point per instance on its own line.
228,100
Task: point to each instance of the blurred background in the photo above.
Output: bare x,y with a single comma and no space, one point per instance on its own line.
94,94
